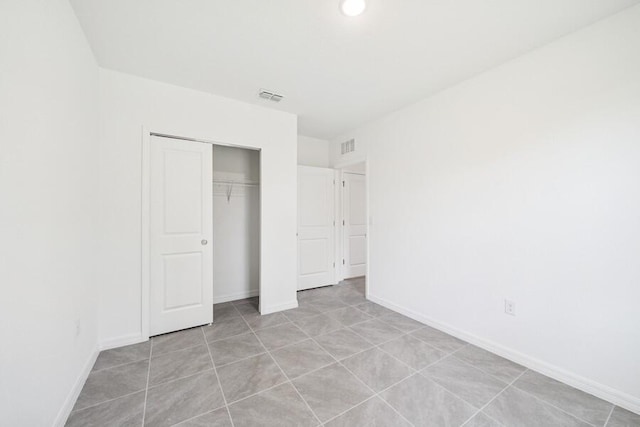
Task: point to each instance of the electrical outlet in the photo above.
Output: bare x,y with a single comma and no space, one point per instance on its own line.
510,307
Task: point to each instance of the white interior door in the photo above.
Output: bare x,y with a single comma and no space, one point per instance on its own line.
354,211
181,230
316,224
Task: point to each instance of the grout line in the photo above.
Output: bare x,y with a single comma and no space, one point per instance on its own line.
240,360
552,405
120,365
175,351
266,351
477,368
109,400
494,397
146,389
224,398
197,416
353,407
483,370
610,414
289,379
482,413
181,378
375,394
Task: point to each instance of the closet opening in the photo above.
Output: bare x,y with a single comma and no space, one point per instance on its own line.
201,200
236,226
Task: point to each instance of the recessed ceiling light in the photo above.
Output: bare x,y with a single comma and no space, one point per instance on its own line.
352,7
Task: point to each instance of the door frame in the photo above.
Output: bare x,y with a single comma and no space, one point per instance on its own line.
343,227
339,167
145,230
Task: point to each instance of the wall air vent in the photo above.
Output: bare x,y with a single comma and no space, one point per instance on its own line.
267,94
348,146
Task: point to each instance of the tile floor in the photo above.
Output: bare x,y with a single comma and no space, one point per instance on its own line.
337,360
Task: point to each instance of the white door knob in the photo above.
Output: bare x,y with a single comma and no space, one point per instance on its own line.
204,242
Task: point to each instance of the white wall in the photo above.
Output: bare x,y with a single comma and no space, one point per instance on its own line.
313,152
127,104
521,183
236,224
48,211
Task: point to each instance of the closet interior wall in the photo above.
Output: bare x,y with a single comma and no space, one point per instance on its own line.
236,223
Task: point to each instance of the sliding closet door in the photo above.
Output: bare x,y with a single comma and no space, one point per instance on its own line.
181,256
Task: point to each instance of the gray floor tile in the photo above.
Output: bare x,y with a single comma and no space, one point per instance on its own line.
354,297
177,341
300,313
376,331
325,291
180,400
248,308
577,403
344,289
373,309
482,420
401,322
413,352
223,304
490,363
349,316
249,376
217,418
251,300
259,321
517,408
279,406
465,381
124,411
377,369
331,391
226,328
327,303
235,348
178,364
301,358
623,418
318,325
110,383
122,355
279,336
342,343
372,413
439,339
224,311
425,403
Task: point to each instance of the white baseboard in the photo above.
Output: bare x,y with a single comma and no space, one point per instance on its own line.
70,401
279,307
602,391
121,341
235,296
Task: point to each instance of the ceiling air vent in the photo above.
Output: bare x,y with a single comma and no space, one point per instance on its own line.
266,94
348,146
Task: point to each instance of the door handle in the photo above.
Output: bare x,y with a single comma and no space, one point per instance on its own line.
203,242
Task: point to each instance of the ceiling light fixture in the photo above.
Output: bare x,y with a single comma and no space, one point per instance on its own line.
352,7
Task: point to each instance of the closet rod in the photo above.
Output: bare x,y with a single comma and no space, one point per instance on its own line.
242,184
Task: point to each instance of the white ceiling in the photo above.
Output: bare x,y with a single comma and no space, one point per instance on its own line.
335,72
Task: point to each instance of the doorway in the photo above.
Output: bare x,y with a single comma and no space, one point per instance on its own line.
354,223
204,230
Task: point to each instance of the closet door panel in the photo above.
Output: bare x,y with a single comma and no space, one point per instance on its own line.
181,232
